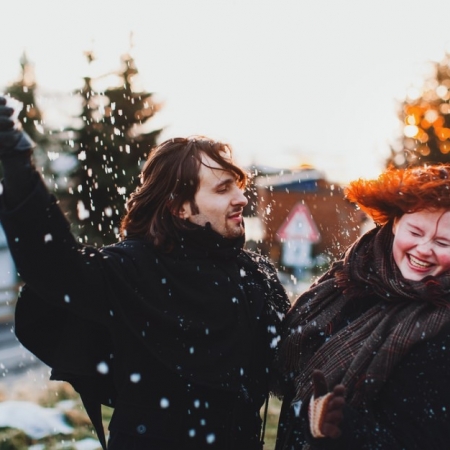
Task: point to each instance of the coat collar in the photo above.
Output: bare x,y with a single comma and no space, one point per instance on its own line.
204,242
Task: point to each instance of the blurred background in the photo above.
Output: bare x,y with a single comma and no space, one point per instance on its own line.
310,95
288,82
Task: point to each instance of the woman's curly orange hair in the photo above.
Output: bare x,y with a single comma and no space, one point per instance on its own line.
399,191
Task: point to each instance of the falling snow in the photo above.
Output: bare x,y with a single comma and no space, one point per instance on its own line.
103,368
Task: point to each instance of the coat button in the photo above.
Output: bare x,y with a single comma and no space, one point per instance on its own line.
141,429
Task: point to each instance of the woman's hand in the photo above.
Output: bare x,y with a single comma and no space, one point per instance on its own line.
325,410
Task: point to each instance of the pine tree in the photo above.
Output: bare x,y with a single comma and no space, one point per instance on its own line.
426,122
110,146
25,90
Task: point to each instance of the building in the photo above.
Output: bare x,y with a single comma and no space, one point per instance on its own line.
304,221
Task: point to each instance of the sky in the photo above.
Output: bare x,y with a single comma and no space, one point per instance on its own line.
285,82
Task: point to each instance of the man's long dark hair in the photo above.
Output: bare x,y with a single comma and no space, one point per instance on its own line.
170,178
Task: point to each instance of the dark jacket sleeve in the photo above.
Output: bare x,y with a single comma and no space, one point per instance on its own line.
48,257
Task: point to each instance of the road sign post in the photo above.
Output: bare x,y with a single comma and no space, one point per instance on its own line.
297,234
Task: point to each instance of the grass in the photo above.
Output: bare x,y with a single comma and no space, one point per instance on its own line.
272,423
76,417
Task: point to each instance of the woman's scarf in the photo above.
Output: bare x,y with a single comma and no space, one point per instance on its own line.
394,315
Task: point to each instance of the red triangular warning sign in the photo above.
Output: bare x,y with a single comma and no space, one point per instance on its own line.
299,225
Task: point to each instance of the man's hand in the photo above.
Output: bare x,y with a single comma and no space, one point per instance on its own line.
326,408
13,140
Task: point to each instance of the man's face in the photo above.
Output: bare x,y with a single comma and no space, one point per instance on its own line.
220,201
422,243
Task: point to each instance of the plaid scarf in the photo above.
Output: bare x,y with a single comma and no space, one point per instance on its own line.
360,318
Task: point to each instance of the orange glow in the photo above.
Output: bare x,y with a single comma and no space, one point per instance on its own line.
444,147
422,136
439,122
424,150
442,133
445,108
413,110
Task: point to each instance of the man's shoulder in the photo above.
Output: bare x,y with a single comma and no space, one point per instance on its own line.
258,258
128,254
130,247
263,264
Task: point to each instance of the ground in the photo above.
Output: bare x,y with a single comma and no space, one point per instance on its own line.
34,386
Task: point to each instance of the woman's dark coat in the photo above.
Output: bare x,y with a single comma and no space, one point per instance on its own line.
412,412
386,338
180,343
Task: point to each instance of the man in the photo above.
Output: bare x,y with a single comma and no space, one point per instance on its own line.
176,325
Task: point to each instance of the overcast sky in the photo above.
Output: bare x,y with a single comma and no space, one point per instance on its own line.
285,82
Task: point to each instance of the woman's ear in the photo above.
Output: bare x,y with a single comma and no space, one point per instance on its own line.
395,225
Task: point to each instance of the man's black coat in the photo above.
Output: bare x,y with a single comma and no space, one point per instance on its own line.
180,343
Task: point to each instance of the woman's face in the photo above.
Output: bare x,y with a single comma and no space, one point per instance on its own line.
422,243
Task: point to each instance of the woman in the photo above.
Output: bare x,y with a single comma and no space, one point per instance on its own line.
375,328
